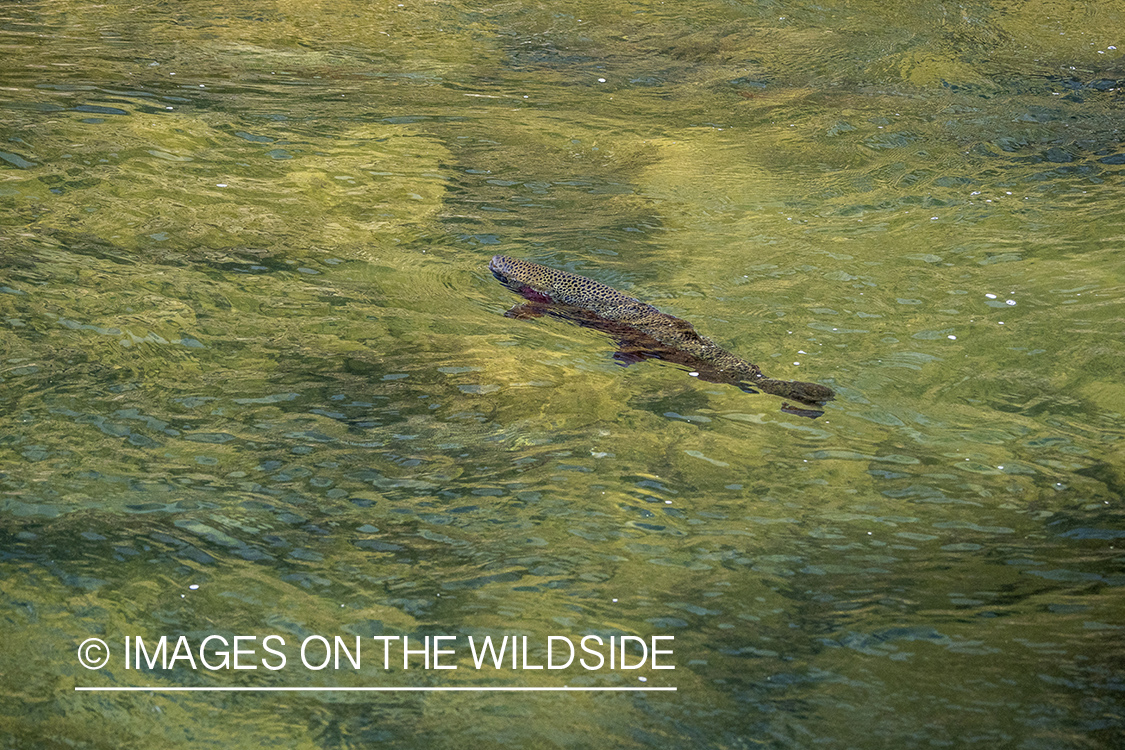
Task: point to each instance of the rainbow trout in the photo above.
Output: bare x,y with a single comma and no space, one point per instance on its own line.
641,330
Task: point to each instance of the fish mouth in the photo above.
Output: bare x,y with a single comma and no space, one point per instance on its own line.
499,265
813,393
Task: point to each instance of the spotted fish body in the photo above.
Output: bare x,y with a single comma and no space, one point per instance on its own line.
586,297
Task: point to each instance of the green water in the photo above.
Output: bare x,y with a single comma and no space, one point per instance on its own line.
255,376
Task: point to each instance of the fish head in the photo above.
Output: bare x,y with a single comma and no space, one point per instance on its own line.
500,266
811,393
508,272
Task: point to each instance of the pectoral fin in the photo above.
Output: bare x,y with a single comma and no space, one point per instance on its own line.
626,357
630,352
801,411
526,310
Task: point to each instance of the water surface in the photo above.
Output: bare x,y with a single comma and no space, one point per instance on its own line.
251,346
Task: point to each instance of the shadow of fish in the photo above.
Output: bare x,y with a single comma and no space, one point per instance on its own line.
643,332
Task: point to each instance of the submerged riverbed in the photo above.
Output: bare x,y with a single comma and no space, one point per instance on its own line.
255,376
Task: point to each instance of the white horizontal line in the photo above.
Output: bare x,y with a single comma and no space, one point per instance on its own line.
133,689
